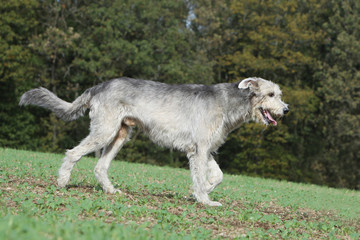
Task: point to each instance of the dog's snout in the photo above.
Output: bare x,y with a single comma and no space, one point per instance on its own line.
286,110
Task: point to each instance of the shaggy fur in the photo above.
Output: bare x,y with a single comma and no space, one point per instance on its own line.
192,118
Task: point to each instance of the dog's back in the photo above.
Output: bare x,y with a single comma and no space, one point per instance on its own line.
176,116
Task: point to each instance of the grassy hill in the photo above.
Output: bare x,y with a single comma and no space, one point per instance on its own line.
157,204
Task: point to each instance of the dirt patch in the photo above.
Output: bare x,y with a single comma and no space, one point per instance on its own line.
228,221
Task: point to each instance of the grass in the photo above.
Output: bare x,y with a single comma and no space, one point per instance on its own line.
157,204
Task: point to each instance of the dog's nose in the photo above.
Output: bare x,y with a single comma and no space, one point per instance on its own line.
286,110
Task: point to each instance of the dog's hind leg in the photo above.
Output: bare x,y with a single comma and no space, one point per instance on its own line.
215,175
109,152
198,167
87,145
104,127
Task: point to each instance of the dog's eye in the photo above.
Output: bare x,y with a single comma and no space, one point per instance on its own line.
271,94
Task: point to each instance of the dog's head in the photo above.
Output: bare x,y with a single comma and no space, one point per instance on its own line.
266,100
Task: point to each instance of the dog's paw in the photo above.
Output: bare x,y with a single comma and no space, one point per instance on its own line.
117,191
113,191
213,204
62,182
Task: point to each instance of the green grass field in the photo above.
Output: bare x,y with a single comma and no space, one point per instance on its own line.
157,204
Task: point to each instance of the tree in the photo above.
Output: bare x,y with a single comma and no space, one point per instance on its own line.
211,22
141,39
17,23
276,40
54,50
340,97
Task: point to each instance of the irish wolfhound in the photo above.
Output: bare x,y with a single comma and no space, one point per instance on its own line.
192,118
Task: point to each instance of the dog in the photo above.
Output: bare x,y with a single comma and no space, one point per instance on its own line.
192,118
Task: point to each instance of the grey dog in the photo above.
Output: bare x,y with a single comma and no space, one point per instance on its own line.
192,118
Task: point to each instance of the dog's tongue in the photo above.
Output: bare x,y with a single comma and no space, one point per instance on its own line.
268,115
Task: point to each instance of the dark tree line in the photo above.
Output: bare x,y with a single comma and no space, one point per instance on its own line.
311,48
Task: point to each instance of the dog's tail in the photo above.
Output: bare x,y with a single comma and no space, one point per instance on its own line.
62,109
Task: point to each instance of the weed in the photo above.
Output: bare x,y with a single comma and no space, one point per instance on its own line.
157,204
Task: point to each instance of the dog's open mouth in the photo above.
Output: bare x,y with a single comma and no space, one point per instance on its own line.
267,117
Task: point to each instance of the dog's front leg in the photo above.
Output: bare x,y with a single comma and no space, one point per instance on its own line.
214,175
198,167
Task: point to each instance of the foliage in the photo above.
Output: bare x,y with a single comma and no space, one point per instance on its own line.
156,204
340,95
17,23
310,48
273,39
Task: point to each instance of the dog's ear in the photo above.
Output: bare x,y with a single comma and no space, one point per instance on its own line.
248,83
